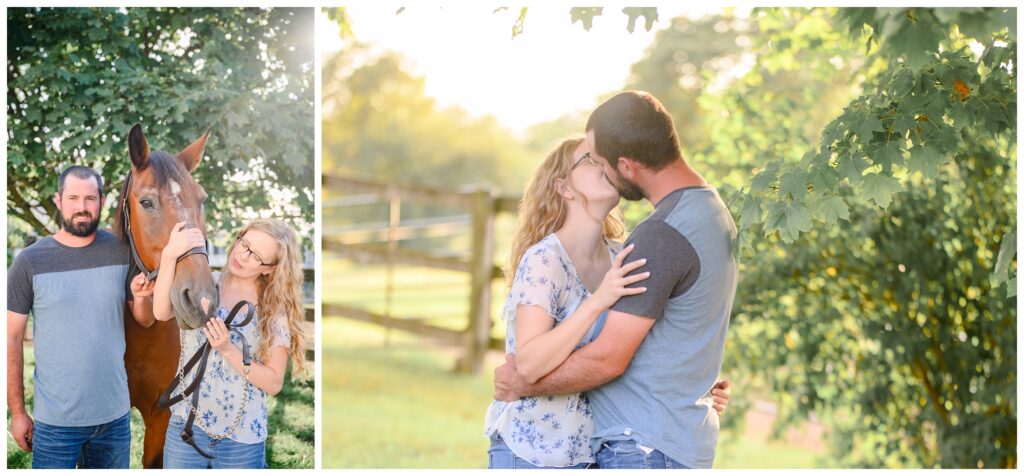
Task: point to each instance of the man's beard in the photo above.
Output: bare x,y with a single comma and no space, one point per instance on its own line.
80,229
627,189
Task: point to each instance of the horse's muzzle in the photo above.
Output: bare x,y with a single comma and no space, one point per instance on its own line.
194,296
196,307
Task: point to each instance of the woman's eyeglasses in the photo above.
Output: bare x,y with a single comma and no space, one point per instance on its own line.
250,252
587,157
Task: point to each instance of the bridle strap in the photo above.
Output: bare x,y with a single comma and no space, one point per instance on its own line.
199,361
149,275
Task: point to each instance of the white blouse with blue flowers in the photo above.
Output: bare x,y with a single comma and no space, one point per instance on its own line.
554,430
222,387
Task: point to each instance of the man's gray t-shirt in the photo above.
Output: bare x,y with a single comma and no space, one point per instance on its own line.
663,400
77,298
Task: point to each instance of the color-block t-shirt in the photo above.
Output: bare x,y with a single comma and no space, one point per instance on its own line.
77,298
663,399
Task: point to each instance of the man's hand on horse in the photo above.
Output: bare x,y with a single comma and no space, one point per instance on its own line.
720,396
141,288
218,335
508,383
182,239
21,430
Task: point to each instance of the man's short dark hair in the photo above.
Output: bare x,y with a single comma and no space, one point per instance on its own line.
634,124
81,172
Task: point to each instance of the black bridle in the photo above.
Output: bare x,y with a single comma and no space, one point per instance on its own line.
149,275
201,357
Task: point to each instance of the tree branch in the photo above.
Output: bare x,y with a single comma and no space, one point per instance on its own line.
147,45
933,394
30,219
23,210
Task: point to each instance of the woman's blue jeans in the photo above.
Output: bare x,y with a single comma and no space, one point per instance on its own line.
227,453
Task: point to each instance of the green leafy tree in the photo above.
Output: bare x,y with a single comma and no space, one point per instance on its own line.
877,288
682,60
889,328
379,122
909,122
78,78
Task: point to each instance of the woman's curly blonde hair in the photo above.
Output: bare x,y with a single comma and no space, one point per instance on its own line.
280,291
542,209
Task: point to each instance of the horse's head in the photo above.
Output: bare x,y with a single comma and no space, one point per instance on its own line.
160,193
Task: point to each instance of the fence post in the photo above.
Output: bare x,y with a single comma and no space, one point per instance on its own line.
394,219
481,265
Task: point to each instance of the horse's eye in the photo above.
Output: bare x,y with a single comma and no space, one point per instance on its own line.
146,203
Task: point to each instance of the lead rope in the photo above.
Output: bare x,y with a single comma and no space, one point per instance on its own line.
216,437
201,357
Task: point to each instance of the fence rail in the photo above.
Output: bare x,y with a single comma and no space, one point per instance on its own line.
379,242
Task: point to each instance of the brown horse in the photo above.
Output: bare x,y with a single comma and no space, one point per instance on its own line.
159,193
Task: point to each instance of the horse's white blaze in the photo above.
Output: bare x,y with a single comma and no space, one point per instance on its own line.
179,209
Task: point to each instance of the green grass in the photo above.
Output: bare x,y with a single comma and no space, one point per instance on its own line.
401,406
741,451
291,427
291,423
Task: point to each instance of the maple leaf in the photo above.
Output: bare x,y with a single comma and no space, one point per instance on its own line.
961,89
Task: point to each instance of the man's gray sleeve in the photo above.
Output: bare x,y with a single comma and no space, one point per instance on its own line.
673,264
19,286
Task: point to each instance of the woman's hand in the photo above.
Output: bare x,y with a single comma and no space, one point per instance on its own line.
613,286
181,240
218,336
720,396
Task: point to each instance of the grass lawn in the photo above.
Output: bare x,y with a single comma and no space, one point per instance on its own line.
291,426
401,406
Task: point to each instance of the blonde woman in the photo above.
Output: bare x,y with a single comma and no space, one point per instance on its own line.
567,262
263,267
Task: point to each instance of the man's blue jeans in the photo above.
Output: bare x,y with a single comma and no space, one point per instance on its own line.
106,446
627,454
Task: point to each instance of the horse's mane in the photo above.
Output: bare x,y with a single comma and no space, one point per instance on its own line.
166,167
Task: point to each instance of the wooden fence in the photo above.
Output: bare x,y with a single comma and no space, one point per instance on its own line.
379,242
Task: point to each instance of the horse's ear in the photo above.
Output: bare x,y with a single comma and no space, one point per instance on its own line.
192,154
138,148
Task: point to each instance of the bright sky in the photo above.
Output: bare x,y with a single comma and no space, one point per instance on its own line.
469,58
